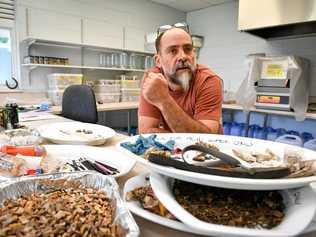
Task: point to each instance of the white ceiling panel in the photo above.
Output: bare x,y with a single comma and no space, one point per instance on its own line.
190,5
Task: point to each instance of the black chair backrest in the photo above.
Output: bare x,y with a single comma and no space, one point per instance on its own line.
79,104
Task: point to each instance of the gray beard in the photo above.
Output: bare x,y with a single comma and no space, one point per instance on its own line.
183,80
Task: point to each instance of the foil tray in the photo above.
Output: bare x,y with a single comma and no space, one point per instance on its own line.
15,187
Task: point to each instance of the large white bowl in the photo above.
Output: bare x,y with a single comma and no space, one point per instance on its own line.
300,209
136,208
226,143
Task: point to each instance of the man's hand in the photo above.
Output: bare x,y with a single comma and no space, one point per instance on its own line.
155,89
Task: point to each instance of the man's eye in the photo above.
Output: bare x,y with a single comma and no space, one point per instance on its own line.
173,51
188,49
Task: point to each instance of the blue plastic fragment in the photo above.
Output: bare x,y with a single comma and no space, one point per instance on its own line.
142,144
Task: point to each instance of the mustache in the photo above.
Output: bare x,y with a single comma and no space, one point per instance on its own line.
184,65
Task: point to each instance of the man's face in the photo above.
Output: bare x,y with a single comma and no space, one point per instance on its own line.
177,57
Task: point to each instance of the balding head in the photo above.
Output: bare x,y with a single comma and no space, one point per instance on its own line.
170,33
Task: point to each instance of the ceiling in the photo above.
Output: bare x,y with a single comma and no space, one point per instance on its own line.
189,5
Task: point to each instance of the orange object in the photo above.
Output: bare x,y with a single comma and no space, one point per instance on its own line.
24,150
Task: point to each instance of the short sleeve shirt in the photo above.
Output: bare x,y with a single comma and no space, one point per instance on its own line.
203,101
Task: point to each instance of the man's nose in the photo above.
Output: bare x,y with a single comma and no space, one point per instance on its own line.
182,56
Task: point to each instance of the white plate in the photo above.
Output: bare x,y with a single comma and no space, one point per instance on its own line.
103,154
227,143
53,132
135,207
300,209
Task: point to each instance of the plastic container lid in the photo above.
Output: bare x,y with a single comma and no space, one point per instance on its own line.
293,132
311,144
290,139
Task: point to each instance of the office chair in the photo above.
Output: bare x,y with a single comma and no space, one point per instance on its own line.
79,104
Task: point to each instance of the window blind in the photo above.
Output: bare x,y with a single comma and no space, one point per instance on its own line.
7,10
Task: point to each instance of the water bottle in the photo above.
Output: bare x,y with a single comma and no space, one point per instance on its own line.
306,136
260,133
235,129
242,129
271,134
251,130
290,139
227,127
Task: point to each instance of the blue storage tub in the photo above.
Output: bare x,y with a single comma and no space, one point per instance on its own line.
306,136
311,144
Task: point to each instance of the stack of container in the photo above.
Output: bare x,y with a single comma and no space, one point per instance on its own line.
130,88
107,91
57,83
281,135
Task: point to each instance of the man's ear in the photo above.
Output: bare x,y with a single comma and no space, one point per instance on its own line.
157,60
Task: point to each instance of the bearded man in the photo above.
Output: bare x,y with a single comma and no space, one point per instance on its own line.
179,95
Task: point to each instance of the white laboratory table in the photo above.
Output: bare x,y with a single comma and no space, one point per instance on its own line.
147,228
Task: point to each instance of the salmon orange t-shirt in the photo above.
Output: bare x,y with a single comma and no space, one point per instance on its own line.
203,101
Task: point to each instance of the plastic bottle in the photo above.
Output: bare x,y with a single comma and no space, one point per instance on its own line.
227,127
235,129
251,130
260,133
242,127
290,139
271,134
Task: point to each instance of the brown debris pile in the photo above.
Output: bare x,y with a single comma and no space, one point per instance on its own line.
148,200
240,208
62,211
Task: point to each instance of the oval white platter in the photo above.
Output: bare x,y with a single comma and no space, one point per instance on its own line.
103,154
136,208
226,143
300,210
66,133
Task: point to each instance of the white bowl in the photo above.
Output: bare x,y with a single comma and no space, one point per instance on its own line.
300,210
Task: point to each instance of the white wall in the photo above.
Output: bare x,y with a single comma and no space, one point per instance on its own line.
140,14
225,48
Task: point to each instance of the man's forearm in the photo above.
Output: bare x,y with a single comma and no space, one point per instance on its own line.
179,121
155,130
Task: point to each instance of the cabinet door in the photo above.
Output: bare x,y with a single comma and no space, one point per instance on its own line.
134,39
43,24
102,33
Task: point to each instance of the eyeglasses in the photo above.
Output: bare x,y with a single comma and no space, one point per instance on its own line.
181,25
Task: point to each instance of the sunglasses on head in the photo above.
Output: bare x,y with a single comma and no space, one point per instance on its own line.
180,25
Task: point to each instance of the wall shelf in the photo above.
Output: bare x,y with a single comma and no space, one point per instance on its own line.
32,66
36,41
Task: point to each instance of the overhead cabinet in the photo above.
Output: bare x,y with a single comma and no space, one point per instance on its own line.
278,18
102,33
53,26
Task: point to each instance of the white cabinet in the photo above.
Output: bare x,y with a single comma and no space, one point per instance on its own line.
102,34
134,39
48,25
